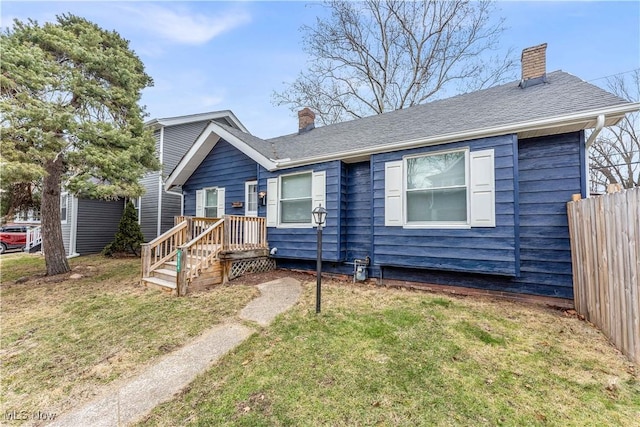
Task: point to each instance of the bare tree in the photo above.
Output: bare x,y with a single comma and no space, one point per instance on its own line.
615,156
376,56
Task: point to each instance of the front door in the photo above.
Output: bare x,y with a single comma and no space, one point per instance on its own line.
251,229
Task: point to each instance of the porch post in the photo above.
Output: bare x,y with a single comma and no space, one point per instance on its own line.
181,276
146,259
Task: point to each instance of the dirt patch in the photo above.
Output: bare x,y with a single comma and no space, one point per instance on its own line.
257,402
77,272
253,279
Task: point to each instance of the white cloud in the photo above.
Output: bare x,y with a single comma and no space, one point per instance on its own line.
211,101
182,26
192,24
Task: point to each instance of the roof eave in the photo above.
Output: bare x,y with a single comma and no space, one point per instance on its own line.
585,119
174,121
201,148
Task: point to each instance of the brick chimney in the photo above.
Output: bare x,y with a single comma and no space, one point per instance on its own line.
534,65
306,120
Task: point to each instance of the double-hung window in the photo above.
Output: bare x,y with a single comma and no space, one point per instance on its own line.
442,189
210,202
292,197
436,189
64,204
295,199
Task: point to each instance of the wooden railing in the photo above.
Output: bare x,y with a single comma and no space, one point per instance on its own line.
163,248
244,233
198,254
240,232
196,224
195,244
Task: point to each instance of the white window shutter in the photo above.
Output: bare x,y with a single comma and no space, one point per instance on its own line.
272,202
200,203
482,189
220,202
318,190
393,199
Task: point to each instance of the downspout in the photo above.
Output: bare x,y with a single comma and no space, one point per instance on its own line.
160,184
592,138
75,202
175,193
596,131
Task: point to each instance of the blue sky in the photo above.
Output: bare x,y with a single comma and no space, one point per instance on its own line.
207,56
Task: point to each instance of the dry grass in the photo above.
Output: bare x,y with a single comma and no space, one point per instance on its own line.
63,339
375,356
395,357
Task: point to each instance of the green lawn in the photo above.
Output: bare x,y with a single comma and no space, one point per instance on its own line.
62,339
374,356
378,356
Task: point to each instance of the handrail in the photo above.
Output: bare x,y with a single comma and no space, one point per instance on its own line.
162,248
198,254
196,224
202,235
167,233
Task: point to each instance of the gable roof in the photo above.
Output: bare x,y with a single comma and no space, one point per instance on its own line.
563,104
249,145
223,116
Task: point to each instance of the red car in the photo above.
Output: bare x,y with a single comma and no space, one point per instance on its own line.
12,237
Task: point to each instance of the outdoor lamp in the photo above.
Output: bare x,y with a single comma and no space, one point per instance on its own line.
319,214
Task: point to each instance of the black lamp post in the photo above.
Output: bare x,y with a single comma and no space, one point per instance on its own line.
319,215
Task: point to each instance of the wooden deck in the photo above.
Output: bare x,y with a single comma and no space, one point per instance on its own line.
201,251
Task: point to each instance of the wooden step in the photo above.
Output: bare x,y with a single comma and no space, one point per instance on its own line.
161,284
165,274
173,264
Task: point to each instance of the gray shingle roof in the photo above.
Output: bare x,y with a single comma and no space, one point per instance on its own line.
564,100
263,147
563,94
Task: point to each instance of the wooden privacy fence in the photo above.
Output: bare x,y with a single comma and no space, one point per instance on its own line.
605,252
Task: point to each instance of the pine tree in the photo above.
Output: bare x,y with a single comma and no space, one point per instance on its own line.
69,94
129,236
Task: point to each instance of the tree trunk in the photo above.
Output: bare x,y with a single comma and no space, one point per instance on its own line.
52,244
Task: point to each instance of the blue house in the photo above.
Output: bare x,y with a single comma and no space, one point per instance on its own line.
468,191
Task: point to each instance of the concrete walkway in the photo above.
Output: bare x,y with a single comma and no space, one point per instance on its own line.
134,399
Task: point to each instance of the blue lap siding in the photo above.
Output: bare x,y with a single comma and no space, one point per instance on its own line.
225,166
300,243
475,250
551,170
357,211
528,250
